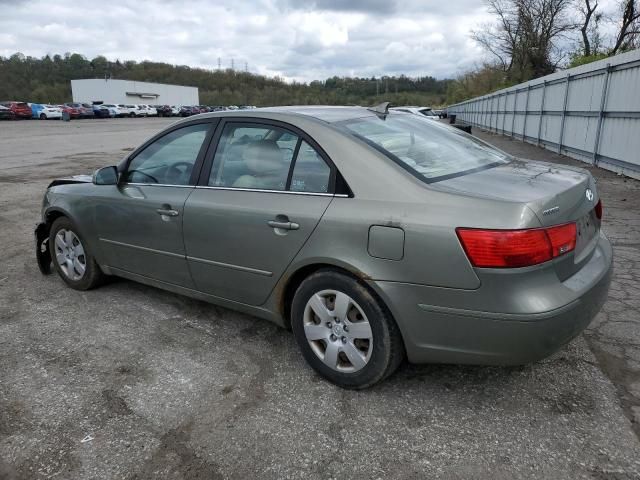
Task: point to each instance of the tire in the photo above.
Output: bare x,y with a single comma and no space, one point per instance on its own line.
377,349
43,116
92,275
132,115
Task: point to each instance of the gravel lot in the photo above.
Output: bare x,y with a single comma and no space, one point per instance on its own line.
130,382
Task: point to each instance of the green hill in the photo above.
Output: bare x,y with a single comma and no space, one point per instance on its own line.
47,80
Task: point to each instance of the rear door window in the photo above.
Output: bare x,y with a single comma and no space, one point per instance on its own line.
253,157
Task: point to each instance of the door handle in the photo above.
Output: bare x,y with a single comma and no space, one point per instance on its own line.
167,212
283,225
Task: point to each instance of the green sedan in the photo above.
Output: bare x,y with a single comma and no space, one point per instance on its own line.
375,235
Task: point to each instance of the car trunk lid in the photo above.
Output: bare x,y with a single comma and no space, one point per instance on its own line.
556,194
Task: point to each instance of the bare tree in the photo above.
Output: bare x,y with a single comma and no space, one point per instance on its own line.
525,37
588,10
629,27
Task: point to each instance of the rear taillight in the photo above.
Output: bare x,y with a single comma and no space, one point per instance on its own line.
598,209
516,248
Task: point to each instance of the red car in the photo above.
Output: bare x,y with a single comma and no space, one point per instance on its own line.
73,112
18,109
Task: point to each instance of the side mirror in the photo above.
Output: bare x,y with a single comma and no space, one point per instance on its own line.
106,176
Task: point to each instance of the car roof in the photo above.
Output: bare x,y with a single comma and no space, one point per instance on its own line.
329,114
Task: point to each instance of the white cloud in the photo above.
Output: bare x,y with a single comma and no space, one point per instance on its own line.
296,39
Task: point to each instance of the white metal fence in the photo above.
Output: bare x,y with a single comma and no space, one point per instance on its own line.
591,112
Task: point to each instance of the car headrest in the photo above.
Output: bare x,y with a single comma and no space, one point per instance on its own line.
263,156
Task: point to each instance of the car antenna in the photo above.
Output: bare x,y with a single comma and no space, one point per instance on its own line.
381,108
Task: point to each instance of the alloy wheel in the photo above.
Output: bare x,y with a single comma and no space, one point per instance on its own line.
70,254
338,331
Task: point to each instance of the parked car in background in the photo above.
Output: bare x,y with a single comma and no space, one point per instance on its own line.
19,110
175,111
74,113
84,109
46,112
140,111
5,113
438,113
163,110
186,111
101,111
117,110
152,111
129,109
274,217
424,111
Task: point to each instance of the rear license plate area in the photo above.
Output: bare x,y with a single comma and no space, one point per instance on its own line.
586,230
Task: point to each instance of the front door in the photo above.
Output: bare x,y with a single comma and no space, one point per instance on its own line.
265,194
140,223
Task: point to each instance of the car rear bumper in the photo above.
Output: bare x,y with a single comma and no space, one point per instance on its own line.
450,334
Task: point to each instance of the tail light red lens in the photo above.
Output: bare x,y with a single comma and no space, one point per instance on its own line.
516,248
598,209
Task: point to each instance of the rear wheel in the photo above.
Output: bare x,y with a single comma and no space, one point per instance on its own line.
344,332
71,258
43,116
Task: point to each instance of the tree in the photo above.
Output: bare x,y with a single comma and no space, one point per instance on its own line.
525,37
628,27
589,28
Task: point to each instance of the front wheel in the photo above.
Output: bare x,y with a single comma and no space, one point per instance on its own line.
71,258
344,332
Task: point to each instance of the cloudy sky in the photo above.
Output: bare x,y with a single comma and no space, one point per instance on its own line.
296,39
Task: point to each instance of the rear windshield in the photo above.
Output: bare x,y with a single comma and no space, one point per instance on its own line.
429,150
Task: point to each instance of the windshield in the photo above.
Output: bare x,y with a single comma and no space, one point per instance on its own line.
429,150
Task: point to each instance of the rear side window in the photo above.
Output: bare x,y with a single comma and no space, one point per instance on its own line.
265,157
310,172
253,157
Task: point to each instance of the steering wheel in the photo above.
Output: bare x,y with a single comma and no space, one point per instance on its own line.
131,172
175,172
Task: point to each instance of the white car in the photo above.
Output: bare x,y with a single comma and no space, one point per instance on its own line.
175,111
144,111
151,111
131,110
118,110
49,112
423,111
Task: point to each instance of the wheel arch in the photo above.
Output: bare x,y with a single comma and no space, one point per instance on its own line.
290,283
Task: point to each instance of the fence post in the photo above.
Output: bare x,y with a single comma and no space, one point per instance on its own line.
544,91
513,117
504,110
564,112
603,107
526,112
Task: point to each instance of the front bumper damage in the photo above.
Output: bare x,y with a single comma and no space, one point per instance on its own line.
43,253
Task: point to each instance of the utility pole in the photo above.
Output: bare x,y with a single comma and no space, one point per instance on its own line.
246,67
377,87
233,65
219,63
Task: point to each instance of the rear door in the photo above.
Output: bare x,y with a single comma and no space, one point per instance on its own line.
140,220
254,208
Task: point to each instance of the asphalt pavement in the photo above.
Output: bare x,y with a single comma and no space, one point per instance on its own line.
131,382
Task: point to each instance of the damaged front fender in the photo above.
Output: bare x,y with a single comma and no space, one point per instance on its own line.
43,253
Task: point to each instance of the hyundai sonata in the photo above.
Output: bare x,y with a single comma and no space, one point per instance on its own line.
375,235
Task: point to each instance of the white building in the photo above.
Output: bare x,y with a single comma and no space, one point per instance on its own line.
131,92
